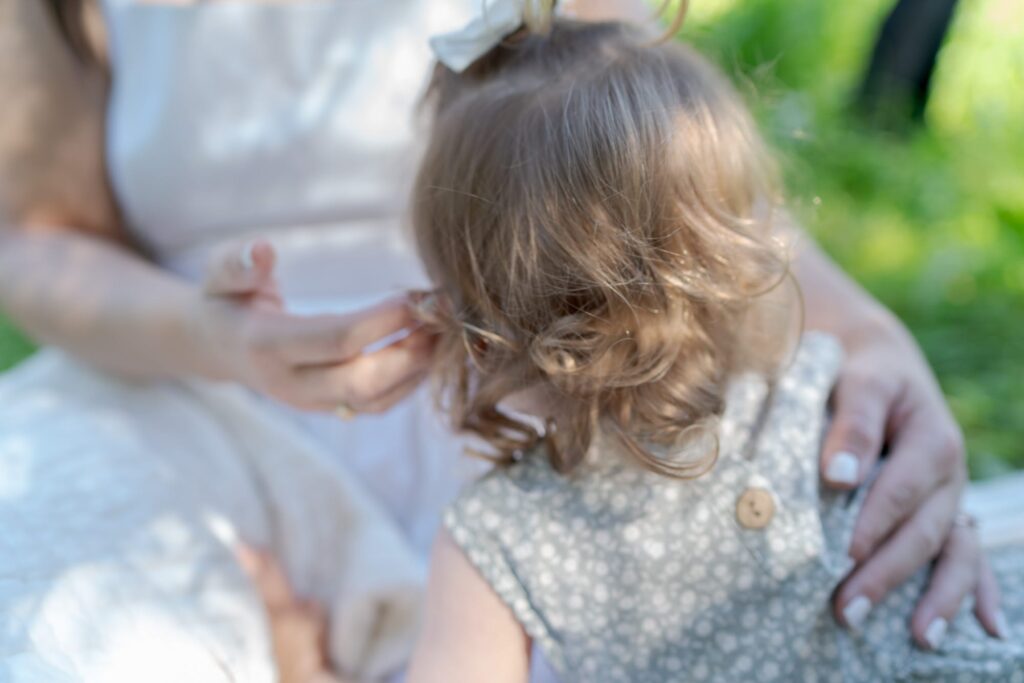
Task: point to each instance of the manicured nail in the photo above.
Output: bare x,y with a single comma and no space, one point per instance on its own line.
1002,627
843,468
856,612
246,259
935,632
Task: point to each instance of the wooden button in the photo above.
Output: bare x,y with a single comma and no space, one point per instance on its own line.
755,508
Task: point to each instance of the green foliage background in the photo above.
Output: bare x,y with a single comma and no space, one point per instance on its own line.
13,345
931,221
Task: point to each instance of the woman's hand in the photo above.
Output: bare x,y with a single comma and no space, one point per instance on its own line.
887,395
298,629
318,363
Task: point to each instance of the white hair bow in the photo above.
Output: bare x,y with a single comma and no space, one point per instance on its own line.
497,19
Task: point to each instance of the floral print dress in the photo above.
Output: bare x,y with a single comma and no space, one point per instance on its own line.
619,574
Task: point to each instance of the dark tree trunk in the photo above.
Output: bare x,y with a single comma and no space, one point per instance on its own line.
895,87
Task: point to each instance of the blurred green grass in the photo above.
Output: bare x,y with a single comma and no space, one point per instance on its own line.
932,223
13,345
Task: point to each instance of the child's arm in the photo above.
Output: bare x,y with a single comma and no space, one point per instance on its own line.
469,634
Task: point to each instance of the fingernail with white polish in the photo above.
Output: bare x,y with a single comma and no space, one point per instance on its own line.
843,469
246,258
856,612
935,632
1002,627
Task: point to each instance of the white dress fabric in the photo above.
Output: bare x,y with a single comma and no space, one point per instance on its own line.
120,505
296,122
120,502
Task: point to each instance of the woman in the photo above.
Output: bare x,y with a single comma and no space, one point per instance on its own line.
274,140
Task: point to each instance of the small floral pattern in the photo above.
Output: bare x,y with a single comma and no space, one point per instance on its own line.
619,574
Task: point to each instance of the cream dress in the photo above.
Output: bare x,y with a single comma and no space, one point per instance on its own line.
119,502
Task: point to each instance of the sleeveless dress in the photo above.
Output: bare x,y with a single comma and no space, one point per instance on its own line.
119,501
624,576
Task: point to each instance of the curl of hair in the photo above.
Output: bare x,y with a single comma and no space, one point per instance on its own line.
598,211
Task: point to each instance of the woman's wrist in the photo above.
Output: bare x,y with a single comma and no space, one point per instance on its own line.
211,339
836,304
870,323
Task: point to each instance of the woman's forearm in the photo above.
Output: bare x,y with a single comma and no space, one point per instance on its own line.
101,302
833,302
76,287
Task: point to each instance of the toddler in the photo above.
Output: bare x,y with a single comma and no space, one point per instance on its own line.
619,333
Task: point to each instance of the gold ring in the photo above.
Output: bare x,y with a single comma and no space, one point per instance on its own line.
965,519
345,411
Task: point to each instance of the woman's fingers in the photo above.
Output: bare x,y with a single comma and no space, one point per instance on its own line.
360,361
954,577
327,339
395,396
922,462
987,601
861,405
241,270
368,383
914,544
298,627
267,575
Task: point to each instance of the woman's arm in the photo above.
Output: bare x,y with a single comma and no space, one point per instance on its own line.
100,301
70,277
469,634
52,125
888,396
68,274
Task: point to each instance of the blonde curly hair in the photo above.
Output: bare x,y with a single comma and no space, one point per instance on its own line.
597,209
